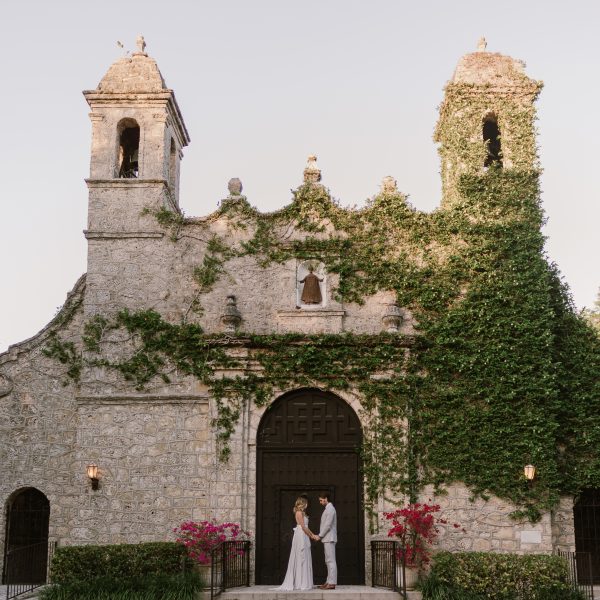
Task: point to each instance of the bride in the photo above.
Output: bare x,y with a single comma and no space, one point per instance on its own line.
299,574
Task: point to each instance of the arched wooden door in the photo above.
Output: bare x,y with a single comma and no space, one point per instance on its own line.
27,522
309,441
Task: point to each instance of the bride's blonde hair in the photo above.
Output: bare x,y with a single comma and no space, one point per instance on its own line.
300,504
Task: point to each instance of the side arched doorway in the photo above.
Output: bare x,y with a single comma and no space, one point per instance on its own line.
26,546
308,441
586,513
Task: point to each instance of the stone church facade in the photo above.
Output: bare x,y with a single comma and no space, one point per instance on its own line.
155,445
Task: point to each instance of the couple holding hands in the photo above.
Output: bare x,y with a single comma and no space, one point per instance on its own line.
299,574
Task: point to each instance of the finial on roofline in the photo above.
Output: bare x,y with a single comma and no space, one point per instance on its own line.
312,173
141,44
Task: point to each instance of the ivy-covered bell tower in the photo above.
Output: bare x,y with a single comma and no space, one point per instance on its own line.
487,119
138,135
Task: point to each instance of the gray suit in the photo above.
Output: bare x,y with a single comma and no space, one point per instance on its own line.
328,535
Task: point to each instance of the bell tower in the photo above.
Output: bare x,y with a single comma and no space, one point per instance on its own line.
138,135
487,119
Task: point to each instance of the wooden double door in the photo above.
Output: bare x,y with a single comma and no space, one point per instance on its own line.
309,442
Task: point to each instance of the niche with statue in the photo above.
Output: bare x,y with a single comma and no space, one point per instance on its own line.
311,285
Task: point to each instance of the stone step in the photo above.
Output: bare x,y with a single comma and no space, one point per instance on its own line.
341,592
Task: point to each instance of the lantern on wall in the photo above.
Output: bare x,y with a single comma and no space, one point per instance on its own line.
529,471
92,473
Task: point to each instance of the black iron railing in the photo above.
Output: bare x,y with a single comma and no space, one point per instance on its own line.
581,571
26,568
387,566
230,566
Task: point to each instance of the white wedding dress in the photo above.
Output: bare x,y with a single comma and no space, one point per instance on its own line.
299,574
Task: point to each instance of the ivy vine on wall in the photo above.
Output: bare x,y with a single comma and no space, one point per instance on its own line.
503,371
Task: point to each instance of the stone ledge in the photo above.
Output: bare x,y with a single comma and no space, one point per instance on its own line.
139,398
125,183
115,235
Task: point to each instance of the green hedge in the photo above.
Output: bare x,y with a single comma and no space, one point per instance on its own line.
489,576
119,561
152,587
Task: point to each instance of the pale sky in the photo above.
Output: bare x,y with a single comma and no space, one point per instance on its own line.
264,83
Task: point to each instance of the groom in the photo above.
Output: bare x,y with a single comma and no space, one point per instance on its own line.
328,535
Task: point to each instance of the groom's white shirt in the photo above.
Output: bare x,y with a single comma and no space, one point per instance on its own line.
328,528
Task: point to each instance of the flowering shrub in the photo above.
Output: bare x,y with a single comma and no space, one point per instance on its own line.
415,526
200,538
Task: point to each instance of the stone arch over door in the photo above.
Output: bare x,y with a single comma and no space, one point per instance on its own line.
586,513
27,524
308,440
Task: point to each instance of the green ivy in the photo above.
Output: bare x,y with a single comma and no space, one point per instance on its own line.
502,371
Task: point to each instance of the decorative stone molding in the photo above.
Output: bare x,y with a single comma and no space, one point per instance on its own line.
111,235
392,318
231,316
127,399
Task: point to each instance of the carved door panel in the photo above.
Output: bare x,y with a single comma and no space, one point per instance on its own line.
307,446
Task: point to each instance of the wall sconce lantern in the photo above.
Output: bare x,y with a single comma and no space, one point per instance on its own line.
529,471
92,473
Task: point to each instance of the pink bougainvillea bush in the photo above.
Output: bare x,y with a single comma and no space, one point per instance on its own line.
201,538
415,526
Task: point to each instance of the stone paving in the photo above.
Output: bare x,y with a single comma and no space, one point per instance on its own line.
341,592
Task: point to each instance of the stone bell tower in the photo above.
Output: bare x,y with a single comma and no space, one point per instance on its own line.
487,119
138,135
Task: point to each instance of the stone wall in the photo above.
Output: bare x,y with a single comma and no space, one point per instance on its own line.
490,528
38,424
156,467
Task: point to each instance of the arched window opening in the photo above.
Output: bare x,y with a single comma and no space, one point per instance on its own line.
129,146
172,165
491,137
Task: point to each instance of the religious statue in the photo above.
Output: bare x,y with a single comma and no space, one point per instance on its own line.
481,44
311,292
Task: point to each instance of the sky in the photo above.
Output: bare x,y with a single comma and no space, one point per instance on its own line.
261,85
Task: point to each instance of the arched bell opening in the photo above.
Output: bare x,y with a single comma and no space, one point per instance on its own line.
309,441
129,147
491,138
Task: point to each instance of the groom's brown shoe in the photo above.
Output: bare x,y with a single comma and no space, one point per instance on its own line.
328,586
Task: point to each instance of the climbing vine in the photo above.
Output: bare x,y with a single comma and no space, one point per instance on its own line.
502,372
